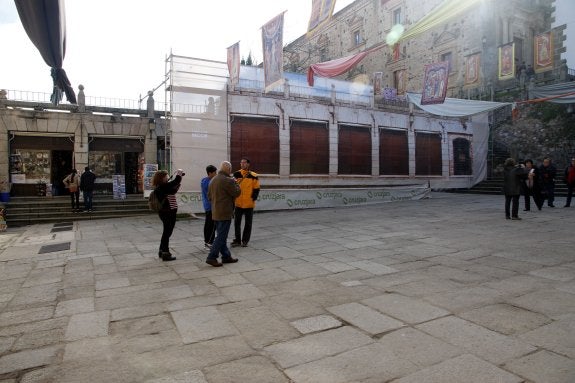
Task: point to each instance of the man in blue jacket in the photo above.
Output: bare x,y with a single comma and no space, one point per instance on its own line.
209,227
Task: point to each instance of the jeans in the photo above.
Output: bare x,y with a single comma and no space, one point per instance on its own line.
220,245
75,197
514,208
87,199
209,228
169,220
238,213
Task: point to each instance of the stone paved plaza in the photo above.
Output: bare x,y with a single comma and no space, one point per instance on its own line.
441,290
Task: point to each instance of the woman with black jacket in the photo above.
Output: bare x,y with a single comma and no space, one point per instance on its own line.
165,191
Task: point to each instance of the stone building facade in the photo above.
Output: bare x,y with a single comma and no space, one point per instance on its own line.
41,143
476,33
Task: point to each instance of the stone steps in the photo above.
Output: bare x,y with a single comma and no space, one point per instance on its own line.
21,211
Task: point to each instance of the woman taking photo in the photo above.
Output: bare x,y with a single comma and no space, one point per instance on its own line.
165,191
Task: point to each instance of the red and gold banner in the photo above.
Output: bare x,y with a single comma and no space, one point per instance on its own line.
472,69
272,47
234,63
543,52
321,11
400,81
507,61
377,81
435,83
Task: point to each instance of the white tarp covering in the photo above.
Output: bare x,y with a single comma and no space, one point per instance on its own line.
290,199
567,89
455,107
480,147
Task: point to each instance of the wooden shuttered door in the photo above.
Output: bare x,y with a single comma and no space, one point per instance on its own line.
258,140
427,154
393,152
309,147
354,150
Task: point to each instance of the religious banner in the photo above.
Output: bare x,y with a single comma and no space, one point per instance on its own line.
272,46
472,69
377,80
543,52
321,11
435,83
506,61
396,54
234,63
399,79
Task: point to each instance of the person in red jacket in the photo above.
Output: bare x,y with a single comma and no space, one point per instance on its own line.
250,186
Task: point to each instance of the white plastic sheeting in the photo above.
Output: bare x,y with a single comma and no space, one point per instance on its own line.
455,107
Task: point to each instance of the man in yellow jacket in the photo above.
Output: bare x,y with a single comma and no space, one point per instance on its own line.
245,203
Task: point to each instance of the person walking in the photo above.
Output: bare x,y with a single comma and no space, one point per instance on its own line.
222,191
548,173
570,181
209,227
245,203
165,191
87,181
72,183
531,187
512,177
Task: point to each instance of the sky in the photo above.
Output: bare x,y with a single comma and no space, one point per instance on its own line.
118,48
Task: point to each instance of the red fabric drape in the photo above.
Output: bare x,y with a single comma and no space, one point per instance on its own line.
338,66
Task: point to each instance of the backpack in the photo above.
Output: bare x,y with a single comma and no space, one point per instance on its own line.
154,202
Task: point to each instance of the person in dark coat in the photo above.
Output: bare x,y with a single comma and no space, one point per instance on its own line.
548,173
570,181
166,192
87,182
531,186
222,192
512,179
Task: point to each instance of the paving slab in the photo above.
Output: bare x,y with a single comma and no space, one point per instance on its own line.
552,303
316,346
315,324
372,362
254,369
407,309
26,359
365,318
88,325
505,319
202,323
465,368
418,347
558,336
260,326
487,344
544,367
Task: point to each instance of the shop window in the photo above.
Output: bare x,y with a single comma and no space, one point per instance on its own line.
354,150
393,152
428,154
309,147
258,140
461,157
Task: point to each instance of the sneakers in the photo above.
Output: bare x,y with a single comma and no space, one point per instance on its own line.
229,260
244,244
